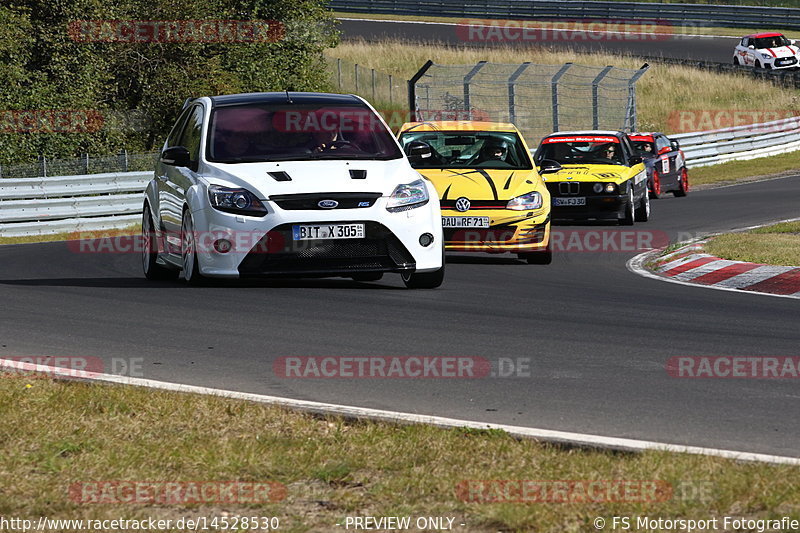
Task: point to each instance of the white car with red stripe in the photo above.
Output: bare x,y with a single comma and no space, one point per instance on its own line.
767,50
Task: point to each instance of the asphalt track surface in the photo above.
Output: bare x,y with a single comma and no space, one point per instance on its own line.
597,336
673,44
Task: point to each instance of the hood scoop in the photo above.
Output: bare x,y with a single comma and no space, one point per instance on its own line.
358,174
280,176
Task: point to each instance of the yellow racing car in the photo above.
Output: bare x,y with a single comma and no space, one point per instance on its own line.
491,195
594,175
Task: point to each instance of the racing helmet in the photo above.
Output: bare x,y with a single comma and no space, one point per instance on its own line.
494,149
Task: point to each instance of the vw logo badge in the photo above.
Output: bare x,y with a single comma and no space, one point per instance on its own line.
328,204
462,204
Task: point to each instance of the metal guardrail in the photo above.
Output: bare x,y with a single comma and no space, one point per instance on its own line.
740,143
697,15
44,206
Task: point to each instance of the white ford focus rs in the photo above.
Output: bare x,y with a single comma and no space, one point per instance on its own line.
289,184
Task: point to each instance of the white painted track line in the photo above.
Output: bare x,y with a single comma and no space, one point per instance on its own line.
544,435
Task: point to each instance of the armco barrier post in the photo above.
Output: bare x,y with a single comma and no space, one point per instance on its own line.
631,117
596,97
412,89
512,80
467,81
554,90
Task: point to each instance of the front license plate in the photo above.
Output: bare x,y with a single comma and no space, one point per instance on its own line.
559,202
313,232
465,222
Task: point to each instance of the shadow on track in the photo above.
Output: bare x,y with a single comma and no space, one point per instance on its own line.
141,283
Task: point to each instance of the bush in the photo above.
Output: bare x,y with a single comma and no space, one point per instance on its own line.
132,91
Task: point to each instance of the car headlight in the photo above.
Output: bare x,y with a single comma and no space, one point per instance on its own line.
408,196
604,187
526,202
766,56
237,201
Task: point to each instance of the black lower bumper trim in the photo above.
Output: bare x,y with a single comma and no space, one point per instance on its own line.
278,254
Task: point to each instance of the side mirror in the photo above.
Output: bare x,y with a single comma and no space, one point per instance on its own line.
793,41
751,47
418,152
176,156
548,166
635,160
665,150
675,145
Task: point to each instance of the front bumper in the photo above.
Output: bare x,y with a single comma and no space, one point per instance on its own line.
785,64
277,254
507,233
265,246
601,208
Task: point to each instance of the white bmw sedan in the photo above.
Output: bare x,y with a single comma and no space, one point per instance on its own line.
288,184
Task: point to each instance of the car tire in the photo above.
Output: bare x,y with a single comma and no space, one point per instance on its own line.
367,276
656,194
544,257
191,269
642,213
628,218
152,270
736,61
683,184
424,280
757,64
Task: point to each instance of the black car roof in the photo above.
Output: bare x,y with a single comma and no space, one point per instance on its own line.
281,98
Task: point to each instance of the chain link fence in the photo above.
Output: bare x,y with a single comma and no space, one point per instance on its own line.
86,164
538,99
379,88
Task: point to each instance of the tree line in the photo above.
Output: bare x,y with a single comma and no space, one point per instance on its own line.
97,76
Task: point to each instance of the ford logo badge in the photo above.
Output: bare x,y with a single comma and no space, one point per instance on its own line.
328,204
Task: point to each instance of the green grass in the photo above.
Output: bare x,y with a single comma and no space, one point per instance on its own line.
737,171
771,245
57,433
661,93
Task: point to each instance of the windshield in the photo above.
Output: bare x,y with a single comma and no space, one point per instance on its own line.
605,150
471,149
775,41
644,148
287,132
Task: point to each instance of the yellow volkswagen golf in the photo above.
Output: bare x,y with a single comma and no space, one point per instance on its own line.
492,198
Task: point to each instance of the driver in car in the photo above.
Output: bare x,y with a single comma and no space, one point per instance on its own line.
610,153
493,150
324,140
